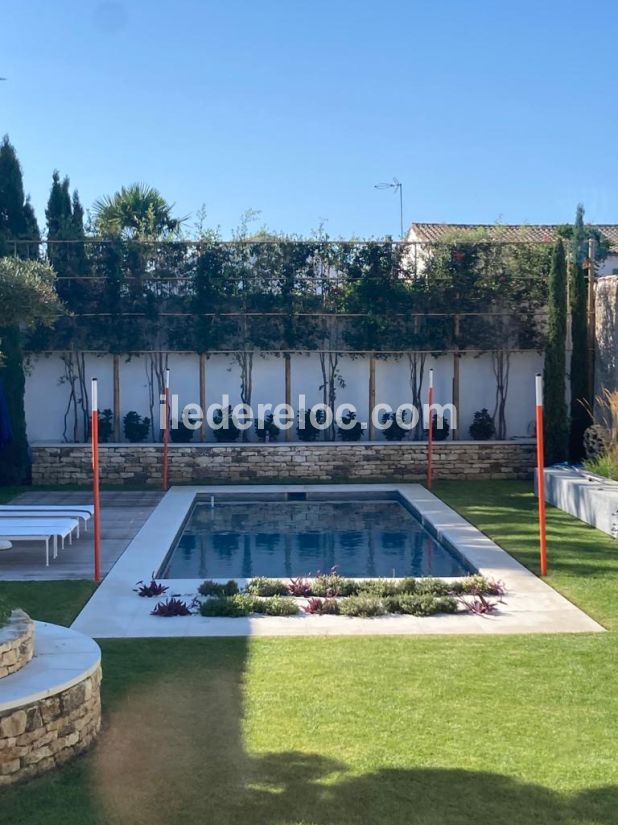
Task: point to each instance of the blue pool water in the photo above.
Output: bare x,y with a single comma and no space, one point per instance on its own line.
300,538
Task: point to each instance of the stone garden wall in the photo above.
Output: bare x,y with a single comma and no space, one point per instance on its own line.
47,733
323,462
16,643
50,705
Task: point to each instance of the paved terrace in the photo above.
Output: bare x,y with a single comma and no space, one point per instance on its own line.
122,516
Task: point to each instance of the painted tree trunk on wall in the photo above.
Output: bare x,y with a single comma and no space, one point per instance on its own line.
116,396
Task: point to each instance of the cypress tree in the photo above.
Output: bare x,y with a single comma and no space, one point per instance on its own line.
17,223
555,417
580,419
65,222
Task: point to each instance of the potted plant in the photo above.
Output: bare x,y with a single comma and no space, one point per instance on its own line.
310,432
228,432
182,434
482,427
135,427
394,431
440,433
353,432
269,431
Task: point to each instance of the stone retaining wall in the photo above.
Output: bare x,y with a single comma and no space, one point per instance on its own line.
16,643
45,734
245,463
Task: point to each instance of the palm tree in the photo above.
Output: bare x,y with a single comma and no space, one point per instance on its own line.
136,211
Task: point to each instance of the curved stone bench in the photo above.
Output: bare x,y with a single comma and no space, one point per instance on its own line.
50,709
16,643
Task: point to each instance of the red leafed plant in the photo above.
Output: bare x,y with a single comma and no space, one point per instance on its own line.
172,607
496,587
480,606
299,587
322,607
150,590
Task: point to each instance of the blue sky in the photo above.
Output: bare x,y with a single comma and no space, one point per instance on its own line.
484,110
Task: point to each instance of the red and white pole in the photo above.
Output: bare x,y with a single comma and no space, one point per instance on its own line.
430,433
94,437
166,434
540,473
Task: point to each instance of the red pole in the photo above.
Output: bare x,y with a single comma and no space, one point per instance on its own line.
540,473
166,434
430,434
94,435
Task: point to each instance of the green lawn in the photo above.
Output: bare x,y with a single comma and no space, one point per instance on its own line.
344,731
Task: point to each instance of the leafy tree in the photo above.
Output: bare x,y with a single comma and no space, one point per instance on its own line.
555,415
27,297
136,211
19,301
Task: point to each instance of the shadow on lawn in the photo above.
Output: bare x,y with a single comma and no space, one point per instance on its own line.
173,751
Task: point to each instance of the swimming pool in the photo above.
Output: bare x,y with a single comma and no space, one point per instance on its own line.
285,538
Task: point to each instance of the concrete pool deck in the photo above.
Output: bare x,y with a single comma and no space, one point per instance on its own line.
530,605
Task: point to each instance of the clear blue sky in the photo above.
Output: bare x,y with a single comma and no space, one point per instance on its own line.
485,110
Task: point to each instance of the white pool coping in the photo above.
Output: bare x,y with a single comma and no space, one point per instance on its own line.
62,658
115,611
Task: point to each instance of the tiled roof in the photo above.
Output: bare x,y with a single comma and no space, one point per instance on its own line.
533,233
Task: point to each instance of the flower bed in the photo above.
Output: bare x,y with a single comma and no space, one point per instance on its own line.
332,594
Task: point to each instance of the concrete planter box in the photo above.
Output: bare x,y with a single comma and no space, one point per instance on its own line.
590,498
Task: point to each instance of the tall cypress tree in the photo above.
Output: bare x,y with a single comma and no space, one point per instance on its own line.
66,248
555,418
580,418
17,223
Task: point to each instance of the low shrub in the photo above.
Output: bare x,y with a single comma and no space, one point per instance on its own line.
378,587
261,586
211,588
276,606
149,590
362,605
332,584
421,605
172,607
242,604
232,606
407,585
322,607
432,587
477,585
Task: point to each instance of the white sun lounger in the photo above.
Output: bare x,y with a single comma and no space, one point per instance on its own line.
83,511
28,529
15,511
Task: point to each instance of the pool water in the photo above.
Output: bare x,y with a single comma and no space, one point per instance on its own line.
300,538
